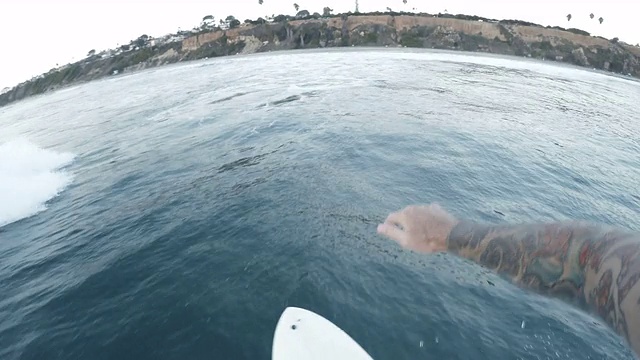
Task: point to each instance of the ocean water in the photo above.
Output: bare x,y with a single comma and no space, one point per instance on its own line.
174,213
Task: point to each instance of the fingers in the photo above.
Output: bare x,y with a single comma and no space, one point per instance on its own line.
393,228
393,232
396,218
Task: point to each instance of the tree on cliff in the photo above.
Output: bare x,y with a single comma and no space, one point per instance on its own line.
231,22
591,16
404,2
296,6
91,53
303,14
280,18
601,20
260,2
208,22
568,17
260,21
141,41
326,12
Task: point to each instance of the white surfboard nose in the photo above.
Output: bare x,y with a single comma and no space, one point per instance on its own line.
304,335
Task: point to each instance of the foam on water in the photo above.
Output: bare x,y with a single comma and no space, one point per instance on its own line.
29,177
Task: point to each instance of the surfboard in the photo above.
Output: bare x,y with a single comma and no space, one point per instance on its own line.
304,335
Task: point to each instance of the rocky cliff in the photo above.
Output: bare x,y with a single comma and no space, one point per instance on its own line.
391,30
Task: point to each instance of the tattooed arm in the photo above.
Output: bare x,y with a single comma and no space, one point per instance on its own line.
597,268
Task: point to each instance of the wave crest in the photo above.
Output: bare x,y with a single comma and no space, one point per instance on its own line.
29,177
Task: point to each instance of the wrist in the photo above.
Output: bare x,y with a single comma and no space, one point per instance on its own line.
461,235
441,234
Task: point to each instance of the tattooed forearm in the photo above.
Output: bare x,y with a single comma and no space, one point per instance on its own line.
597,268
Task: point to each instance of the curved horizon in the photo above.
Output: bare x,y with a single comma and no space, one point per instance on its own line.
77,28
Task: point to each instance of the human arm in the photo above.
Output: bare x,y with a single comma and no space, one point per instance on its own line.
597,268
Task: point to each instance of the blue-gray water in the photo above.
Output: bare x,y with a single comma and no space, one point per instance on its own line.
195,202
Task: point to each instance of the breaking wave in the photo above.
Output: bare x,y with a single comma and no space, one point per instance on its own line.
29,177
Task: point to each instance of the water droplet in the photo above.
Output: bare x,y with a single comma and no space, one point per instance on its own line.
437,340
421,343
522,325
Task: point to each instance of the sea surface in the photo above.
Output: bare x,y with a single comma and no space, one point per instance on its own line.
174,213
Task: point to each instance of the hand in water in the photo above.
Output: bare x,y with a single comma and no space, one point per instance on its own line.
577,259
419,228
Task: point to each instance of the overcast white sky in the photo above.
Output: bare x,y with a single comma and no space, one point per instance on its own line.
37,34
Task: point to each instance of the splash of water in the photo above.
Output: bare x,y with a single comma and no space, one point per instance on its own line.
29,177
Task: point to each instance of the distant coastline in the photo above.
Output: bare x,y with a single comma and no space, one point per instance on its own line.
304,31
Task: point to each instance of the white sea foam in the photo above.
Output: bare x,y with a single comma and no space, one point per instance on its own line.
29,177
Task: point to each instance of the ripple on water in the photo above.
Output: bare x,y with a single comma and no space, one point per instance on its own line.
207,197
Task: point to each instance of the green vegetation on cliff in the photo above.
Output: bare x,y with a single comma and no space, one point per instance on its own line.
305,30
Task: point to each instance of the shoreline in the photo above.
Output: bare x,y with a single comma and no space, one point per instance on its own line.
344,49
508,38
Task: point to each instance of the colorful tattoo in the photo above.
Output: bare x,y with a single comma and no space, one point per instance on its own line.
594,267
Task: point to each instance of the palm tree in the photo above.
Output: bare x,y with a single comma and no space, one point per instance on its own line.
568,17
296,6
601,19
591,16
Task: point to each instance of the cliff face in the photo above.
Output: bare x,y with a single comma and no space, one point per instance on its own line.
432,32
507,37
